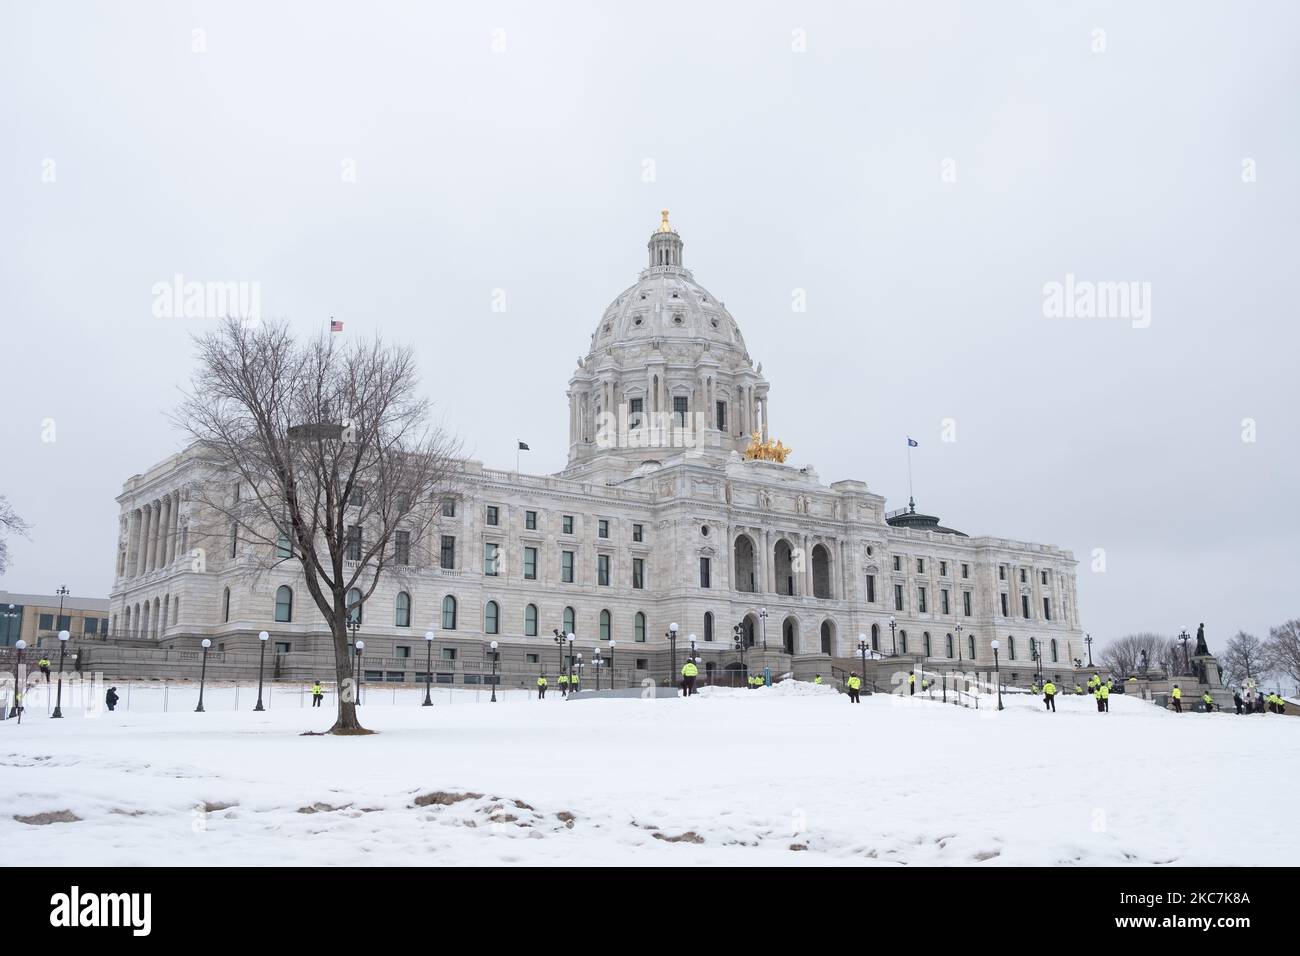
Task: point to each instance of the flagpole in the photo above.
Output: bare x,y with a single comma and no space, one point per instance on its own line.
909,469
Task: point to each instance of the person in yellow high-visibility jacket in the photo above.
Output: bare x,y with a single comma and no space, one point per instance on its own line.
1105,698
1049,696
855,688
541,686
689,673
911,684
1208,700
817,678
563,681
1177,695
317,693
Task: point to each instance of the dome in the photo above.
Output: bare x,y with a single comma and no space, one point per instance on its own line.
667,303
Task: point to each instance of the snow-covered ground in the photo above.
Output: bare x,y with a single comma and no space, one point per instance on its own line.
791,774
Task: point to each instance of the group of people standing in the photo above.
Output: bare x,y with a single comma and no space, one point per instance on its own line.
566,683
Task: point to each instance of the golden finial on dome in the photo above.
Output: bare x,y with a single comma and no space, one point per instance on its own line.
663,221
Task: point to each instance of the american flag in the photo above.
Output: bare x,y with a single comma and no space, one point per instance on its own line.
336,325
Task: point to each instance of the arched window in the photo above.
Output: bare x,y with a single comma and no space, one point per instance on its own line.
570,618
926,636
1011,648
708,625
1054,658
971,645
949,645
604,625
875,637
902,642
491,613
530,621
638,627
449,613
403,609
354,605
283,604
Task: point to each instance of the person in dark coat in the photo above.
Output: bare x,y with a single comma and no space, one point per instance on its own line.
110,699
1236,699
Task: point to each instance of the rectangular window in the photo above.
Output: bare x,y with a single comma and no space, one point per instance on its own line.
898,563
706,573
530,520
64,622
602,570
449,653
920,565
493,515
490,558
449,507
965,570
45,622
566,567
234,538
871,589
353,549
92,625
441,678
635,408
473,679
1002,572
898,597
602,528
568,524
402,651
532,659
944,598
530,564
1005,612
282,647
943,569
401,547
1044,578
1024,605
643,663
448,557
283,549
1022,575
965,603
636,532
638,573
680,408
920,600
1047,609
722,416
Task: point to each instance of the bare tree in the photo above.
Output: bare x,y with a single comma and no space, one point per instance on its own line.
1245,655
1283,649
320,455
1122,656
10,523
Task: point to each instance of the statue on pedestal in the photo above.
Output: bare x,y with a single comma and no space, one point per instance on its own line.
1201,649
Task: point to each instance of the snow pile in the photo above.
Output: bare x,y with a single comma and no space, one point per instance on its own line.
793,775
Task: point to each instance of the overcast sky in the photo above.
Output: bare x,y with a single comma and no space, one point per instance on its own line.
920,170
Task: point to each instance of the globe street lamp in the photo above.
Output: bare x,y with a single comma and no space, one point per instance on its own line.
58,701
203,675
959,661
1087,639
612,644
428,668
762,620
893,644
17,711
596,661
262,638
495,657
862,646
997,672
672,651
62,591
360,646
1185,637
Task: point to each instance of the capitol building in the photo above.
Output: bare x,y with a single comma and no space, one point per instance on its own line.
677,505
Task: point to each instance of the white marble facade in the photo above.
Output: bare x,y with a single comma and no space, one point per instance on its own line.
660,410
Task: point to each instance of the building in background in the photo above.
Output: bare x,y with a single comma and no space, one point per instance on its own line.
676,505
36,619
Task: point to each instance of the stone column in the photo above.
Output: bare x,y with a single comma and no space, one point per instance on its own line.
762,407
165,531
133,530
146,517
807,566
176,523
155,529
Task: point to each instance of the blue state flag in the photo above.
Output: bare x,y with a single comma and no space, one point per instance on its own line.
912,443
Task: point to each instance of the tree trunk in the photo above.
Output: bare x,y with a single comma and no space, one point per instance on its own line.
346,722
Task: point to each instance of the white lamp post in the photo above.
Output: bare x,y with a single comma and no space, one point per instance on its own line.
203,674
262,638
428,668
